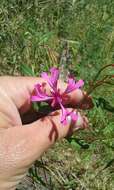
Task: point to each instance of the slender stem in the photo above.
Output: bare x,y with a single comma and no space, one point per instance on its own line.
105,80
99,72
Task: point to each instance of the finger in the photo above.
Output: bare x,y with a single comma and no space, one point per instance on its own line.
23,145
21,88
86,102
9,114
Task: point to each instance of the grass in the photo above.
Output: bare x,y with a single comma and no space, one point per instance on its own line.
36,34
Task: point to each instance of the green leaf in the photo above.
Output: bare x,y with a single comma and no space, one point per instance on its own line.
75,145
44,39
26,70
78,143
35,106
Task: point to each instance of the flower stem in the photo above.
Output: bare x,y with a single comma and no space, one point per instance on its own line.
99,72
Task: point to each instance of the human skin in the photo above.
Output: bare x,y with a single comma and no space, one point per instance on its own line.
21,144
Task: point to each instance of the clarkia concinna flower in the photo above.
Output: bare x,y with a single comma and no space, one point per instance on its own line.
56,97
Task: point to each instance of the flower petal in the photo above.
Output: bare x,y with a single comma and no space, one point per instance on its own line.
73,85
74,116
40,94
66,114
79,84
53,78
45,76
38,99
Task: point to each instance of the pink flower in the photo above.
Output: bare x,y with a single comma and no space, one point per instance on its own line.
56,98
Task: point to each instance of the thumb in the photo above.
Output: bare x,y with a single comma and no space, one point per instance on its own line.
21,146
43,133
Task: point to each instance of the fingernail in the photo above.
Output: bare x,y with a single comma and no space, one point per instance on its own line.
69,119
79,123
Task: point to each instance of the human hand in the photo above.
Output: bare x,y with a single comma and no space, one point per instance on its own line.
21,145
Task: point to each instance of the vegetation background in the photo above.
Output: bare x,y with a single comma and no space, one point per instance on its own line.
77,36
